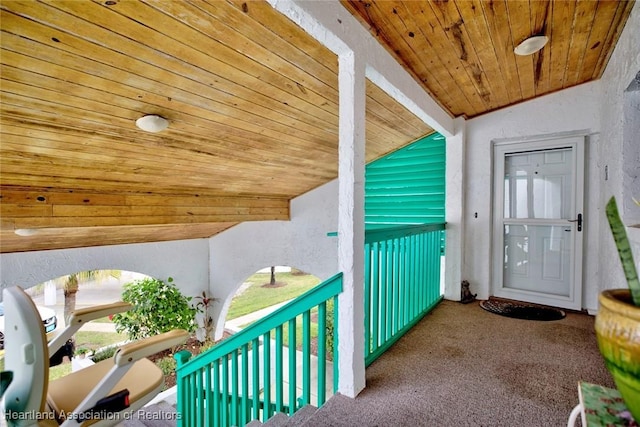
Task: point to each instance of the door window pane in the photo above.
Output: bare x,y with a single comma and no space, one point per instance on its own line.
538,184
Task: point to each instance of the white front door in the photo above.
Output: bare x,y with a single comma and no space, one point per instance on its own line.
538,221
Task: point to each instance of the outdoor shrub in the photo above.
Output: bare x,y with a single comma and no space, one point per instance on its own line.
167,365
158,307
330,328
104,353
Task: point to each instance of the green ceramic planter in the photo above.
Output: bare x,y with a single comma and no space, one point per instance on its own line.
618,333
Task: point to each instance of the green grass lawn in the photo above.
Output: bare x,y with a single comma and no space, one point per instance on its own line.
91,340
257,297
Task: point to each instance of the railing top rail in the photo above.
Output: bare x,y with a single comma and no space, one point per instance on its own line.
378,235
306,301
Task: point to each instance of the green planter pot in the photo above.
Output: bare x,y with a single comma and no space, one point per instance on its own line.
618,333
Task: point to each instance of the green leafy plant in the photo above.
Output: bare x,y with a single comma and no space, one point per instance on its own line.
158,307
624,250
330,329
204,319
104,353
82,351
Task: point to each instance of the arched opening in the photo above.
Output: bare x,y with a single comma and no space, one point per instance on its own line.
57,297
265,291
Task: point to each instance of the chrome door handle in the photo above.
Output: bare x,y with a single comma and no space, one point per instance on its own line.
578,220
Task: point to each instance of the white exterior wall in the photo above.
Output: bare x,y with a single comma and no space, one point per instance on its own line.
596,107
185,260
301,243
618,151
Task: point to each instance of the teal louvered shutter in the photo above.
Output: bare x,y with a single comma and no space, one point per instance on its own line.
407,187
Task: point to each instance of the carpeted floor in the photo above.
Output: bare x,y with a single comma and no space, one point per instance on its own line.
464,366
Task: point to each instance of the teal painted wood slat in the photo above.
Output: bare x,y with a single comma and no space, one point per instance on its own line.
306,357
224,391
255,377
293,407
215,413
322,353
246,407
235,409
279,380
266,370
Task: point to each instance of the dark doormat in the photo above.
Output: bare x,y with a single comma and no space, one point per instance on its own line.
522,310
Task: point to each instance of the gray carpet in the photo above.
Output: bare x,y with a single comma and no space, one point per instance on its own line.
464,366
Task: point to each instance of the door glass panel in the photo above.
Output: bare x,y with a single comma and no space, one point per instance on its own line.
538,184
538,196
537,258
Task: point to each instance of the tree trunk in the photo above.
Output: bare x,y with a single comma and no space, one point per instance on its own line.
70,290
273,276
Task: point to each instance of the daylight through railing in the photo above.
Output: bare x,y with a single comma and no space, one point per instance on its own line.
267,367
402,282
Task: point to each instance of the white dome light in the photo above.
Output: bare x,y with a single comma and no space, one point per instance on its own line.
152,123
531,45
26,232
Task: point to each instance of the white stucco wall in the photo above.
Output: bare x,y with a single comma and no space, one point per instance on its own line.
596,107
185,260
574,109
618,151
301,242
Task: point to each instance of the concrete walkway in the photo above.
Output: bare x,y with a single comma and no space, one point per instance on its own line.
241,322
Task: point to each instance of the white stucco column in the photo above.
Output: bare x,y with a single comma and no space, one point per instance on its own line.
454,211
351,223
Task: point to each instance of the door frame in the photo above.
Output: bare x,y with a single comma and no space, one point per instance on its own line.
499,147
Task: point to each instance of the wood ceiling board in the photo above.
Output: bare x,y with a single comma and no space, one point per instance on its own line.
102,236
461,52
252,101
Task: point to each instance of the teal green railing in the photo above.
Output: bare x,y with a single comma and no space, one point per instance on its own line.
402,282
266,367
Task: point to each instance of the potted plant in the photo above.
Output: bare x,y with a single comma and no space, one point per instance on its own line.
618,321
82,352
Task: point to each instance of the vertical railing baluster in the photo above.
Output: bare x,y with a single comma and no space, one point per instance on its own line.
234,405
245,414
255,377
293,362
367,299
406,280
266,367
199,401
322,353
279,379
421,268
396,286
208,395
372,345
306,357
224,391
214,406
388,283
383,292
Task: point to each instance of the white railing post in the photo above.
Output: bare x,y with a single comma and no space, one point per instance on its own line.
351,166
454,207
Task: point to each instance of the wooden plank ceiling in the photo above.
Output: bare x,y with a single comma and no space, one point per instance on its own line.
252,102
462,51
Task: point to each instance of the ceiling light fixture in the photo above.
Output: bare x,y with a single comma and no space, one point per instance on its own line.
152,123
531,45
26,232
